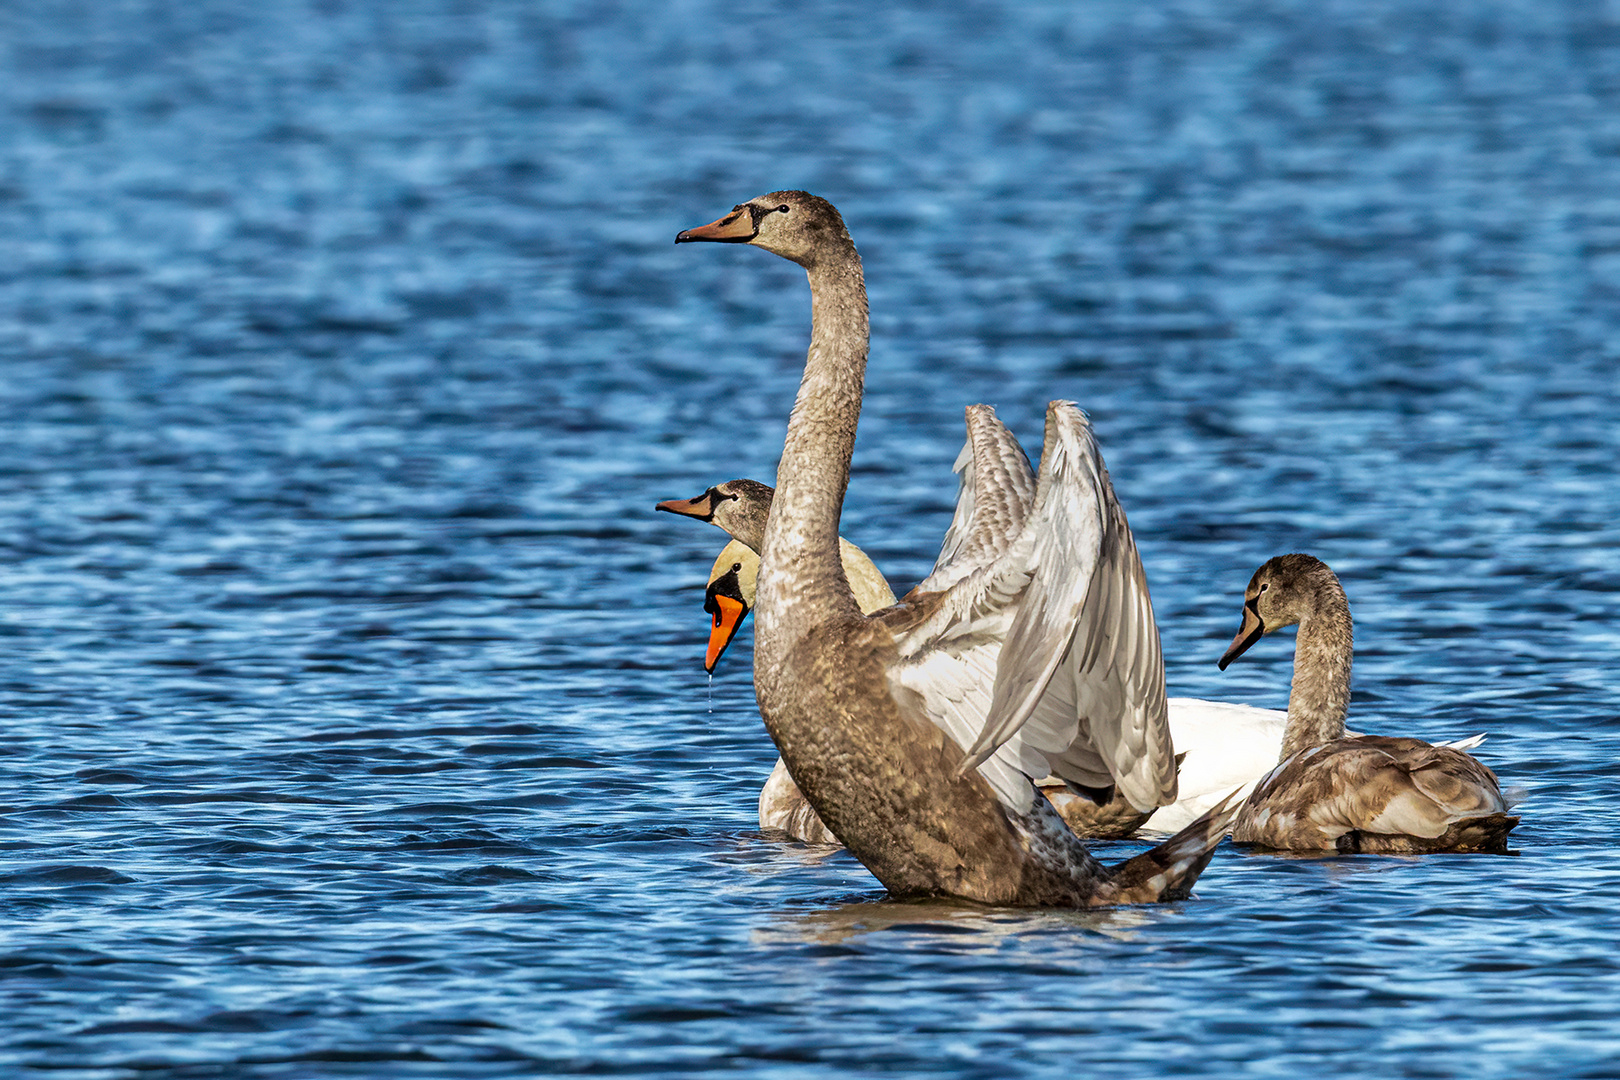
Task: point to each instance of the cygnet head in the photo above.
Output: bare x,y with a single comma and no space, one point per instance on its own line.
1285,590
793,224
737,506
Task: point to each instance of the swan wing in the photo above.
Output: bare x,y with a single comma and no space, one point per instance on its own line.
995,495
950,685
950,639
1047,660
1080,677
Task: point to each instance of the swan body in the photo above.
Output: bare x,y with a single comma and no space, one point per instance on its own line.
1333,792
916,732
1223,748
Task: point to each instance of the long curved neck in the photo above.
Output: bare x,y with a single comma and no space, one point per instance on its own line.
1319,698
799,557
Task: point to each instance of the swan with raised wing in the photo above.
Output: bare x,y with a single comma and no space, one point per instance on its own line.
1369,793
916,732
1218,747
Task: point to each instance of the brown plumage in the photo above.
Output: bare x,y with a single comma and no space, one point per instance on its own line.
1365,794
858,705
740,507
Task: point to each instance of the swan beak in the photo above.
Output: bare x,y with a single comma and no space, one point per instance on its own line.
728,617
1248,633
724,600
728,620
737,227
701,507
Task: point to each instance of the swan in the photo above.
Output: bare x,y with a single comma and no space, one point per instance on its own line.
1331,792
916,732
1218,746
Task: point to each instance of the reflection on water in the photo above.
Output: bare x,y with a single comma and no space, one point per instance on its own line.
967,928
351,713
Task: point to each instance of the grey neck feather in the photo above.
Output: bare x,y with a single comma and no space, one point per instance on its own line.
799,554
746,523
1319,698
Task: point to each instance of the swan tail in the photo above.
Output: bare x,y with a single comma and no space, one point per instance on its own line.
1167,872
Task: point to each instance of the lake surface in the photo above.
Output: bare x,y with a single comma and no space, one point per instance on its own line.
352,720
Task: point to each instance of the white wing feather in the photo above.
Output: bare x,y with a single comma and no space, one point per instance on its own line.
1043,656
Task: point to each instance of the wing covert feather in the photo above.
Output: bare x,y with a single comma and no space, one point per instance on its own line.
995,495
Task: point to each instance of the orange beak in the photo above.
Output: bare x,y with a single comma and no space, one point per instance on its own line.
728,617
737,227
723,599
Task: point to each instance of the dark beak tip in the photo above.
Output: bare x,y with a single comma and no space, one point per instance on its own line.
1221,663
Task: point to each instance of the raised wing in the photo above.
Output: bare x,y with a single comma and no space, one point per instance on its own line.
1078,686
996,493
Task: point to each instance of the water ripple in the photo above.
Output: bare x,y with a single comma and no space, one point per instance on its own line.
353,716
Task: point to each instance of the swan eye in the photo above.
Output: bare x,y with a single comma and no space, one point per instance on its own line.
735,567
1264,585
784,208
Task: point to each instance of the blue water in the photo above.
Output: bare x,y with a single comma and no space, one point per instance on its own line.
351,714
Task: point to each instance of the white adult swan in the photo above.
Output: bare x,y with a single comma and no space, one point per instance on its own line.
1365,794
915,732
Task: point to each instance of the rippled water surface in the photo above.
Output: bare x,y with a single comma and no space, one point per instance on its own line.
351,713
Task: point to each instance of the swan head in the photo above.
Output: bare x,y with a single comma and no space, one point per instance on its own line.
729,597
793,224
1285,590
737,506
